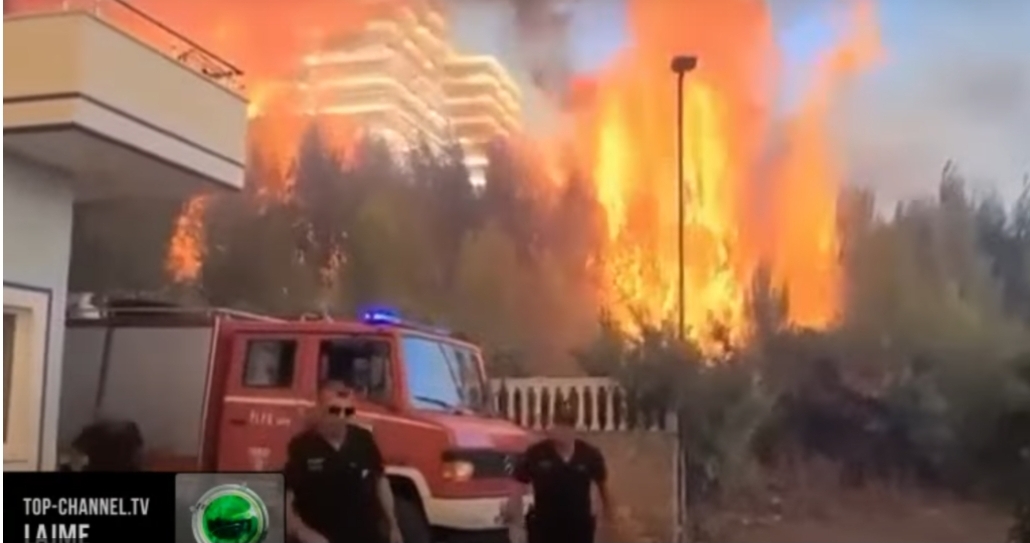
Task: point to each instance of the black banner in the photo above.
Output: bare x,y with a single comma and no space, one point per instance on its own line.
157,507
86,507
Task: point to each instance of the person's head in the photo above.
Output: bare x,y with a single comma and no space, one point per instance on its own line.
335,407
108,445
563,423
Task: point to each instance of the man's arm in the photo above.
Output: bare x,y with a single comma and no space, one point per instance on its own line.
383,491
385,494
292,473
523,479
295,526
599,473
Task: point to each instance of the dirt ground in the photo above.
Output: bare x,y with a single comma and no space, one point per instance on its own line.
845,517
830,514
943,523
805,505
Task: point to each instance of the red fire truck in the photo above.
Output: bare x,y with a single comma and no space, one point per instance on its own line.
219,390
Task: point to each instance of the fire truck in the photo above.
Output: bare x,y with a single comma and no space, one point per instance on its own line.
220,390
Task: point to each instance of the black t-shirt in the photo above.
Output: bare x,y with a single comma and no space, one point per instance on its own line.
561,489
335,489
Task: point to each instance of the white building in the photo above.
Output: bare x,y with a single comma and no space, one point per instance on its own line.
91,110
385,76
483,104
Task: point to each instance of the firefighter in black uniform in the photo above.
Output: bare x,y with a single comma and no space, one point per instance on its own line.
336,488
562,471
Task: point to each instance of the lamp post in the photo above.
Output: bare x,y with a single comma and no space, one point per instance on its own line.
681,64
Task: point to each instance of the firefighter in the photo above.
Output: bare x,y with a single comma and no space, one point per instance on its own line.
337,491
561,471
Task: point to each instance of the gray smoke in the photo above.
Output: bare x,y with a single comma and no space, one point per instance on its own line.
959,90
542,30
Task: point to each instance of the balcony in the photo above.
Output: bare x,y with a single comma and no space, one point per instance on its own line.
119,101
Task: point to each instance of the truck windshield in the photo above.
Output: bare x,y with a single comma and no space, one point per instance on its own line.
443,376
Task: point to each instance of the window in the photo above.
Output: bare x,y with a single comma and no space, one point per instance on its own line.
270,363
432,383
10,320
362,363
465,363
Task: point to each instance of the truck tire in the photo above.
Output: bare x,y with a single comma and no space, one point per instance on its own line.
413,524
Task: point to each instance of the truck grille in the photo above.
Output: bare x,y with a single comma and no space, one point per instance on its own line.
490,464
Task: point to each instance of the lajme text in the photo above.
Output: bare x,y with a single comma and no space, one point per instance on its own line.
56,533
76,510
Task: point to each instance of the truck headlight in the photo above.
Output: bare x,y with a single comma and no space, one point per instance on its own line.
458,470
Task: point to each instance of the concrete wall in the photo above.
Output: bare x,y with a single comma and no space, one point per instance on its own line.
641,467
37,236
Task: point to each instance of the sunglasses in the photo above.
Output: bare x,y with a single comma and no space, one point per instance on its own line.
341,412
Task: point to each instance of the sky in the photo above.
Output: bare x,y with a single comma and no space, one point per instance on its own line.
955,85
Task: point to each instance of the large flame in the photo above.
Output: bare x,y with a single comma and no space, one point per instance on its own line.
759,190
746,205
269,43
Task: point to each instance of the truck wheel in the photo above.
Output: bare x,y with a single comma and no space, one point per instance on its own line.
413,524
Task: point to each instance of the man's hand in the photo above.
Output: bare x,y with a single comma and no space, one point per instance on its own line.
517,534
296,526
386,501
614,523
512,512
395,534
607,504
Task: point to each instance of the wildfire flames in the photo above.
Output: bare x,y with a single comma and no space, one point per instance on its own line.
759,191
751,200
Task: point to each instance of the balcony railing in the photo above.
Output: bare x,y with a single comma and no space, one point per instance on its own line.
145,28
599,403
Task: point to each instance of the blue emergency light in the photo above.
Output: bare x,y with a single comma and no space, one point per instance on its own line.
380,316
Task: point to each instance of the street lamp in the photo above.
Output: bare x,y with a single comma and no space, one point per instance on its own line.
681,64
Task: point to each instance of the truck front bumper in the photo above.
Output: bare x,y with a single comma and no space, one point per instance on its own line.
467,514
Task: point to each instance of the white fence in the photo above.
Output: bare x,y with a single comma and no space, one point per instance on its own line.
600,404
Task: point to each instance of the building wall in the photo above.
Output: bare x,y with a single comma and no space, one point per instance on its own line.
37,248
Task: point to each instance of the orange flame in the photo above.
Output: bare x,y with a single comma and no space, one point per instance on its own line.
738,215
269,43
186,248
746,205
806,247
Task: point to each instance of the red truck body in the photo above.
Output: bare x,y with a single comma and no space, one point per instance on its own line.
224,391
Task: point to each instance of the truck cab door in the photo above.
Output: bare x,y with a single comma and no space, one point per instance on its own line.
266,400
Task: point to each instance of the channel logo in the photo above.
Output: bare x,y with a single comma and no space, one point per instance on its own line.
230,513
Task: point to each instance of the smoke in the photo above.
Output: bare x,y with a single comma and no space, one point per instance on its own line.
542,31
957,87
